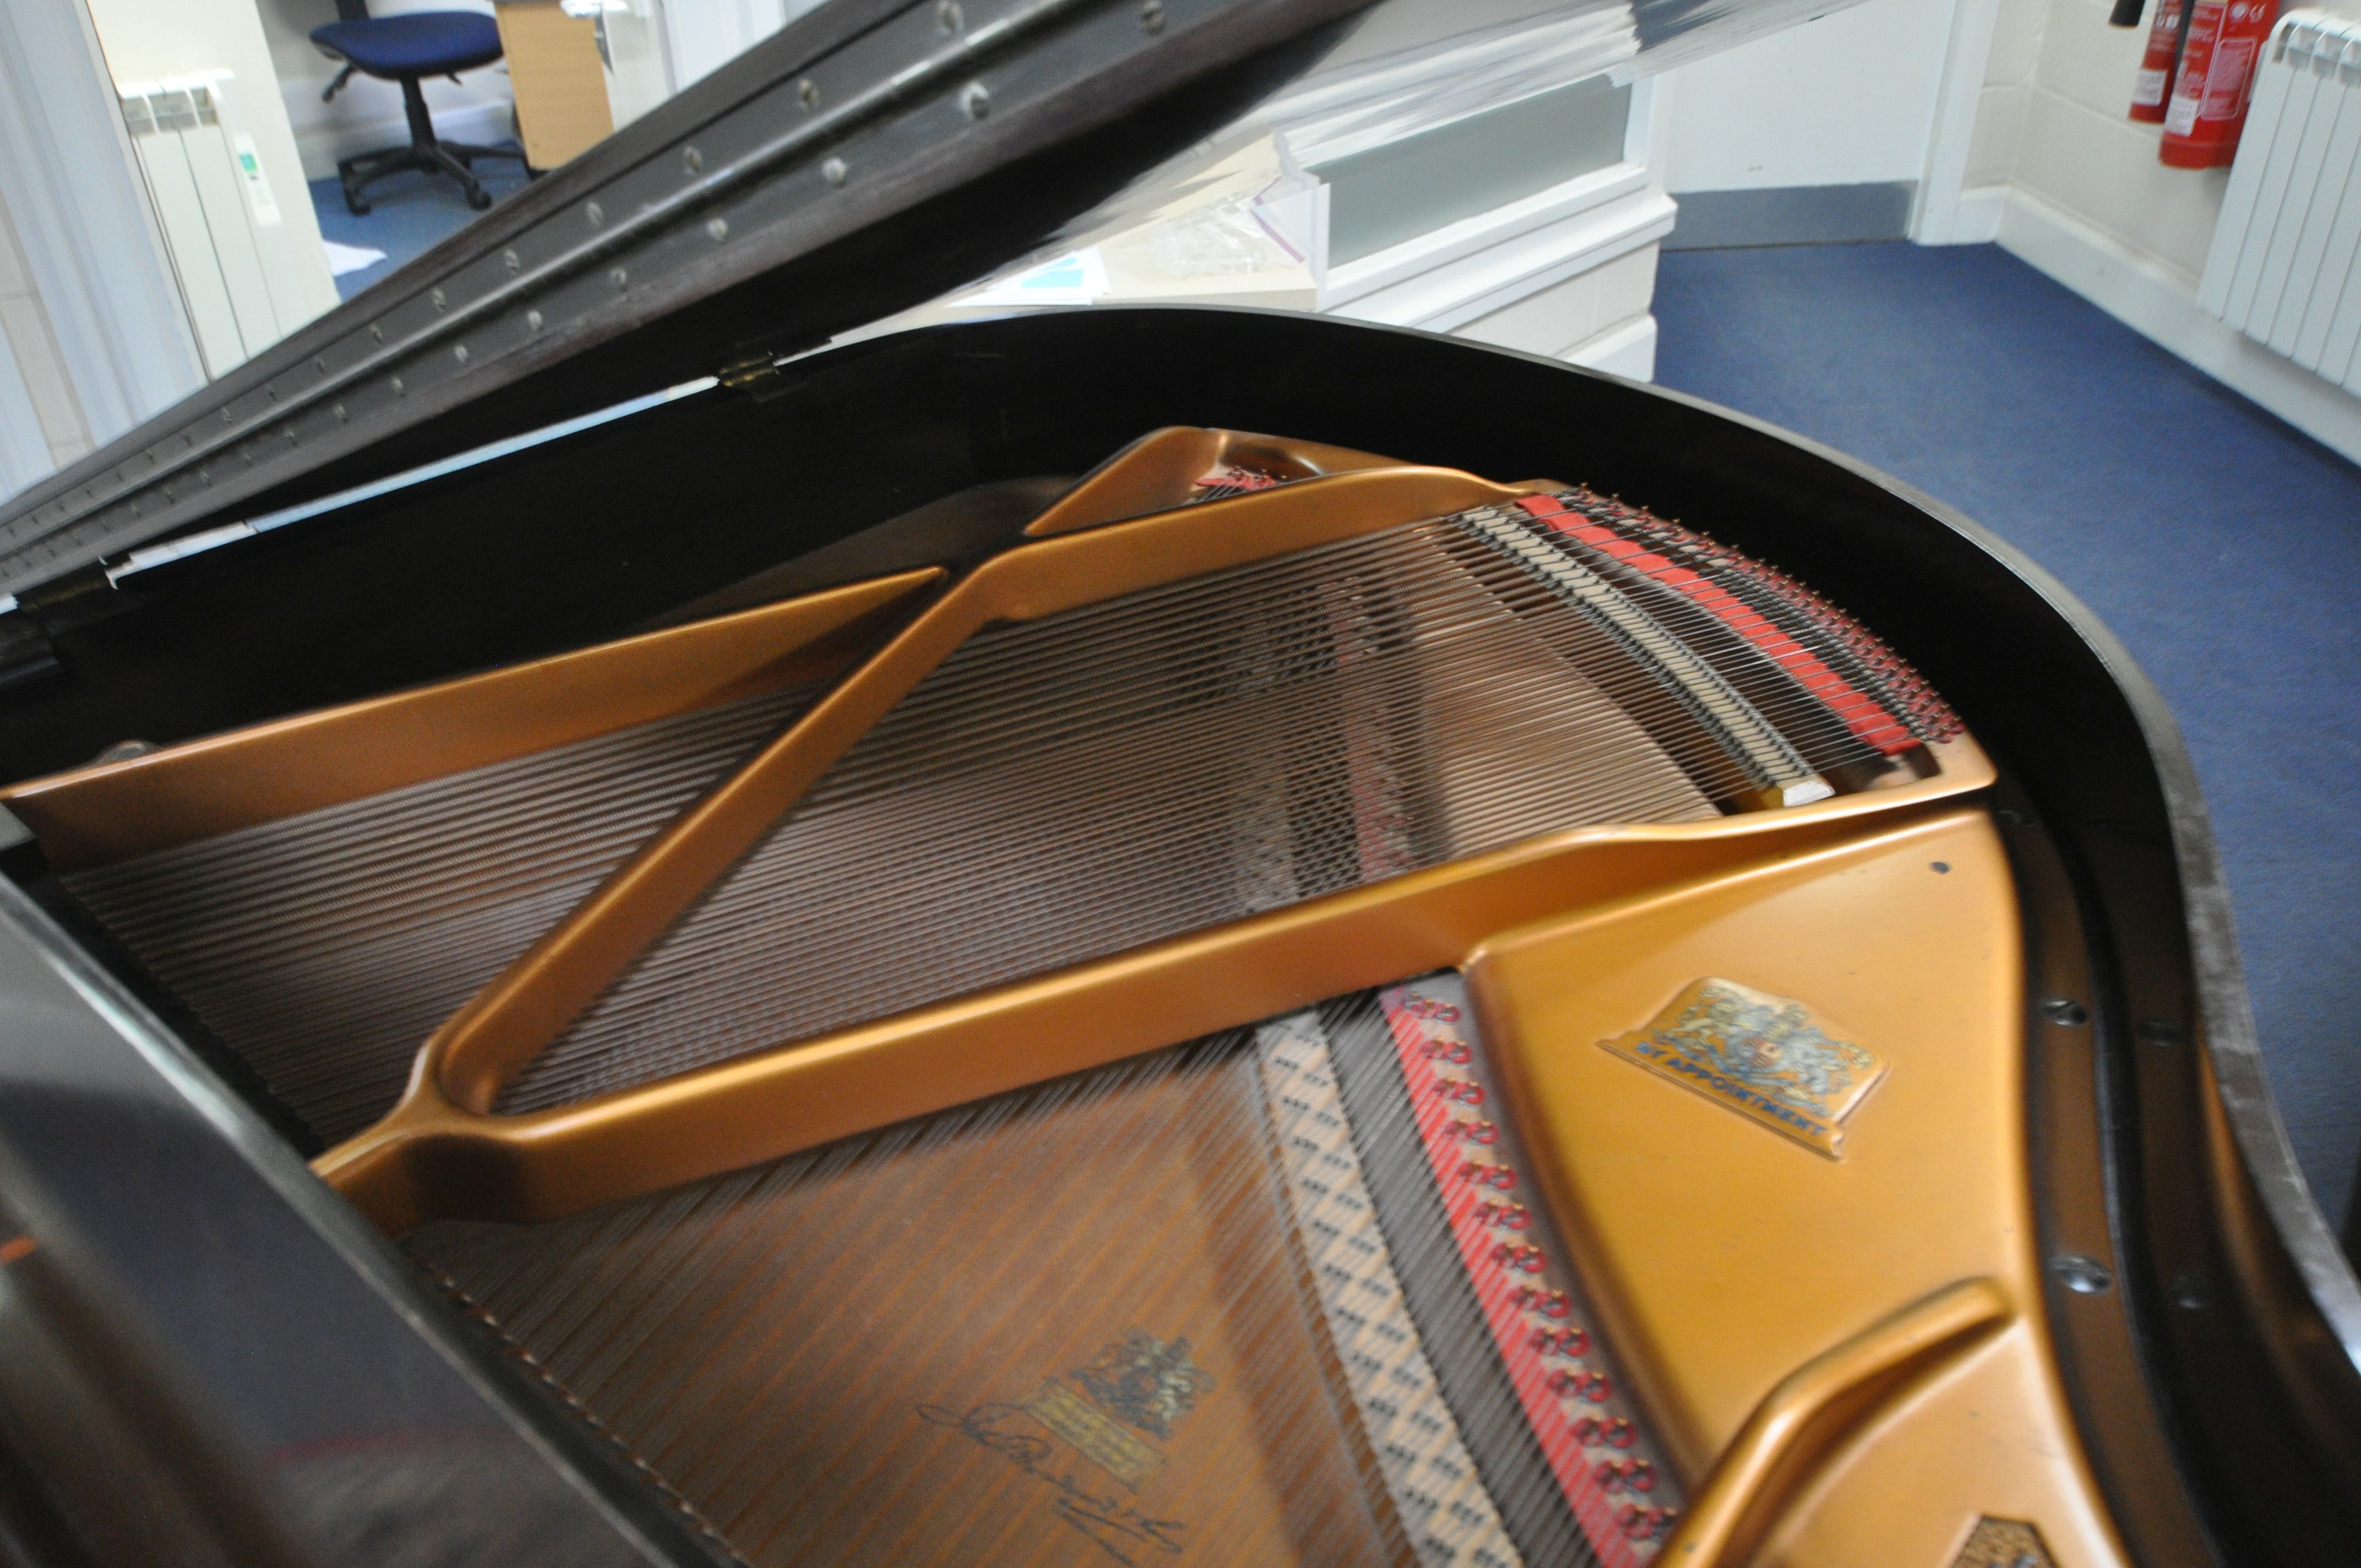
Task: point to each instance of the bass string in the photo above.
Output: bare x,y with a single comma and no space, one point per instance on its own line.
659,1039
820,809
705,1324
1180,611
1711,701
323,948
1181,614
224,886
733,1331
242,905
1849,647
1798,716
1832,636
1697,623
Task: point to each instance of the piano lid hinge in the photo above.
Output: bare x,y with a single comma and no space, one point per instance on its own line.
756,375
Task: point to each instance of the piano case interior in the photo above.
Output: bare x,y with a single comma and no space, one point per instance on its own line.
1227,999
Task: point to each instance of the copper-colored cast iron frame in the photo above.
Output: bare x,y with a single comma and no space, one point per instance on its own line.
441,1146
1788,1442
1160,470
104,814
434,1156
467,1063
442,1151
96,816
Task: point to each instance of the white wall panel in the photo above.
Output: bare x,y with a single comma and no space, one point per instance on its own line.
151,39
90,247
1846,99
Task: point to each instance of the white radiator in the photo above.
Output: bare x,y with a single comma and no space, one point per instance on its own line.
2285,267
231,251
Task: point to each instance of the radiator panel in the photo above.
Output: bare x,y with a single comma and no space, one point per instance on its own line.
2285,266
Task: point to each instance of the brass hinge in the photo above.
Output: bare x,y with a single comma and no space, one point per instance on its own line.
757,376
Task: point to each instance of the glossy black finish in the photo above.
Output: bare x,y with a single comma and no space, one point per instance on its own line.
869,157
826,177
205,1357
2079,1107
2235,1319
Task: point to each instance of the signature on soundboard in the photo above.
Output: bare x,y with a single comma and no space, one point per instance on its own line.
1112,1524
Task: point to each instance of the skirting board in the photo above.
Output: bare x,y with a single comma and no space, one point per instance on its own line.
1469,286
1628,349
1976,218
1793,214
2161,305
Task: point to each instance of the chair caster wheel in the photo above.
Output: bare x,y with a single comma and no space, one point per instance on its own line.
479,198
356,206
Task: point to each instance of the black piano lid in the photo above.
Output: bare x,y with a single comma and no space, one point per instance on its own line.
868,158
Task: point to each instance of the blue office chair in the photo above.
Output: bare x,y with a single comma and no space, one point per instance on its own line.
403,48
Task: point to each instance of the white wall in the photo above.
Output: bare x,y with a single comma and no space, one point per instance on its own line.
2069,183
1844,99
2053,122
41,423
112,341
704,35
367,115
145,40
2052,125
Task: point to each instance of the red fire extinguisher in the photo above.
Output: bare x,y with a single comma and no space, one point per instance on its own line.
2208,106
2153,85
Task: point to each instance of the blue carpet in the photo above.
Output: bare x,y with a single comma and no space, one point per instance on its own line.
410,213
2218,542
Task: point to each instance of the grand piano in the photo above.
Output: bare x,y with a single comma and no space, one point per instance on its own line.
662,908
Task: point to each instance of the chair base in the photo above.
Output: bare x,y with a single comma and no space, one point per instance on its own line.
450,158
425,152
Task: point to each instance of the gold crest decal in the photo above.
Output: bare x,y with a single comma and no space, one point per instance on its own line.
2003,1543
1086,1426
1765,1056
1145,1381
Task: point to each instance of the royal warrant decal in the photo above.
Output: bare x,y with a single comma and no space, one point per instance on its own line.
2004,1543
1098,1438
1145,1381
1767,1058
